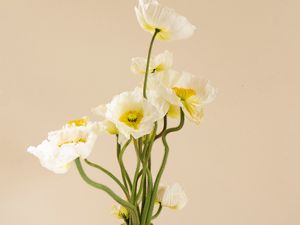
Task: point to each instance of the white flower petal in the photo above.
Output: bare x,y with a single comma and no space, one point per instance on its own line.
172,196
138,65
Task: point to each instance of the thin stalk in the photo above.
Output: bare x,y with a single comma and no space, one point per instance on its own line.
135,179
125,176
140,189
118,154
106,189
148,62
147,188
158,212
164,127
110,175
163,165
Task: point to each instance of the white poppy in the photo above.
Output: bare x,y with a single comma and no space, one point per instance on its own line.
152,15
172,196
132,114
76,139
160,63
183,90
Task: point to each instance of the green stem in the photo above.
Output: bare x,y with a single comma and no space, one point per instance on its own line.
163,165
148,63
146,173
118,155
147,201
110,175
106,189
135,179
125,176
158,212
164,127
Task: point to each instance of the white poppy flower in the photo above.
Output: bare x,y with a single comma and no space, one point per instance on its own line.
160,63
132,114
110,127
172,196
151,16
183,90
76,139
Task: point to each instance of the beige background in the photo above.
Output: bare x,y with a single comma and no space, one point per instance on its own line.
60,58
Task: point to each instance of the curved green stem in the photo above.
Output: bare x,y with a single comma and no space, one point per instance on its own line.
163,165
110,175
147,189
158,212
164,127
125,176
148,62
135,179
140,191
106,189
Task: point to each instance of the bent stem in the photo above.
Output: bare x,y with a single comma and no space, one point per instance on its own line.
106,189
164,127
148,62
163,165
147,189
158,212
125,175
110,175
136,174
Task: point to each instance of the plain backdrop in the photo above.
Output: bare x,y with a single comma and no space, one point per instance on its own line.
60,58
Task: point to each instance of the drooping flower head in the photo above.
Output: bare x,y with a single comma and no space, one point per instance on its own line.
75,139
131,114
172,196
106,124
152,15
183,90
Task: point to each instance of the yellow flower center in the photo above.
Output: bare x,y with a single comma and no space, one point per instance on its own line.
132,118
184,93
79,122
75,141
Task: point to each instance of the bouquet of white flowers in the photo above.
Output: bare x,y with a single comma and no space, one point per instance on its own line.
137,117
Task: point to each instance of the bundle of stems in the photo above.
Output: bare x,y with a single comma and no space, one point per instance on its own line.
140,189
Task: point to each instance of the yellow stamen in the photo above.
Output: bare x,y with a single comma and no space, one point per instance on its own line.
76,141
79,122
132,118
